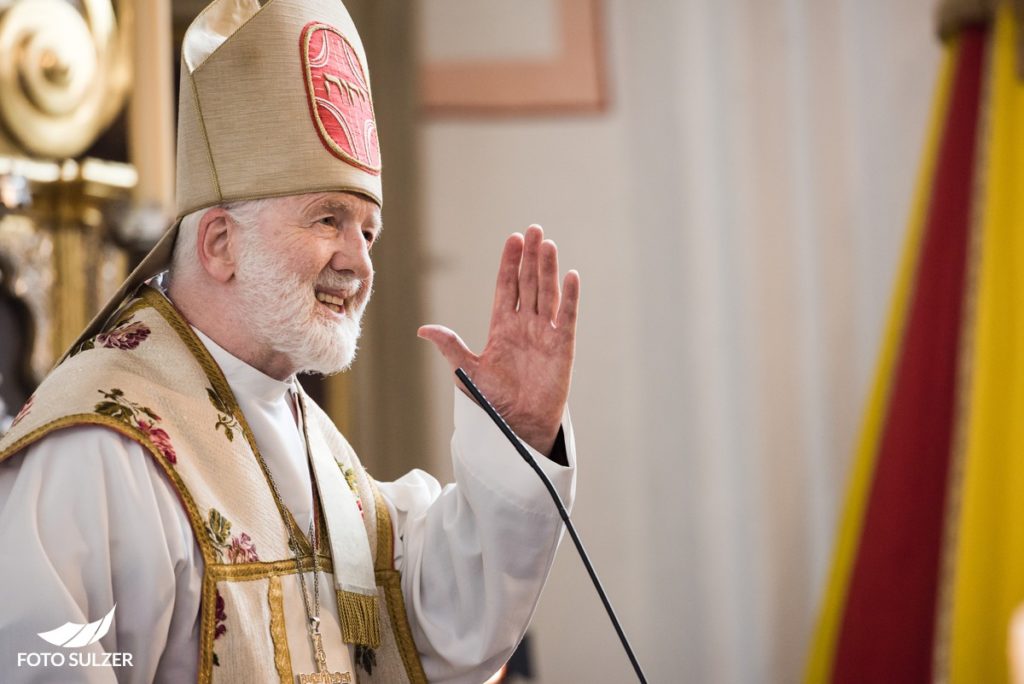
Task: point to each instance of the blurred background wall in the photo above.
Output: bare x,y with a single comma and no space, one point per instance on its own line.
736,212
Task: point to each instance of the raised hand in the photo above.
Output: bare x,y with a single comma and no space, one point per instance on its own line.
526,366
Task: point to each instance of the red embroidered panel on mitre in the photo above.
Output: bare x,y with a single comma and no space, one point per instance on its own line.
339,96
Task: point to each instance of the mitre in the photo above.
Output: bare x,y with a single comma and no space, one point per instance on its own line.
274,100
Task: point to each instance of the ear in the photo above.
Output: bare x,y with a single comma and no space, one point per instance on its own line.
217,244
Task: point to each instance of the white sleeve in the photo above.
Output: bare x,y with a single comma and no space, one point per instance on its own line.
474,556
87,521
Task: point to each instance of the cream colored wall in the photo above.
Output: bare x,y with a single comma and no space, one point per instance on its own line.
736,217
483,182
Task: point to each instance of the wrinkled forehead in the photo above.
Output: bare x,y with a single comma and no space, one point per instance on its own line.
351,204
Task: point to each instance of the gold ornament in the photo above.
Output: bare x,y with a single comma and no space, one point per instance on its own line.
64,74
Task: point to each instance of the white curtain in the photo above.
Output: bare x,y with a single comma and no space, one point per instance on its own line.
736,216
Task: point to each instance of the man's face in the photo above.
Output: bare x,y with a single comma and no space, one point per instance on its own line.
304,277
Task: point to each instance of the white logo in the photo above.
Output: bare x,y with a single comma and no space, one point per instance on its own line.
74,635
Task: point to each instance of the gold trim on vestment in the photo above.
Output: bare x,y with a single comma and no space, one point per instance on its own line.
207,624
220,385
244,572
130,309
385,559
133,434
278,633
390,581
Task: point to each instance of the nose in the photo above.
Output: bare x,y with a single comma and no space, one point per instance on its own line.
351,253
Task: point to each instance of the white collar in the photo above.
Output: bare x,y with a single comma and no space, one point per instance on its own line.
244,379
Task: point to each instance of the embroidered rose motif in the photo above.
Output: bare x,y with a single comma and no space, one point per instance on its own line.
128,335
161,440
24,411
242,550
221,616
225,417
220,629
350,478
137,416
239,549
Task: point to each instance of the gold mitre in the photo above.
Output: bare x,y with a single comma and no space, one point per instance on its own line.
274,100
281,107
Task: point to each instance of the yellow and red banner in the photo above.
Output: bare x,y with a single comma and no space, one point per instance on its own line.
929,560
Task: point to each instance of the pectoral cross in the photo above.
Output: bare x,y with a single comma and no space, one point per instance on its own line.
322,676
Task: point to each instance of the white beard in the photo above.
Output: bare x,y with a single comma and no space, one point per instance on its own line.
286,316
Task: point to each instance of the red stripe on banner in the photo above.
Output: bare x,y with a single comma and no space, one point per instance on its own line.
889,621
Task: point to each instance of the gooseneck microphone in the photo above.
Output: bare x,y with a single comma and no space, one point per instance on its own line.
528,457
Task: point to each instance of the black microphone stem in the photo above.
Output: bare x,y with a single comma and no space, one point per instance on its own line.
528,457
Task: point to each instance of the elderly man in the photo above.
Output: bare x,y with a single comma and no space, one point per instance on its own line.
173,506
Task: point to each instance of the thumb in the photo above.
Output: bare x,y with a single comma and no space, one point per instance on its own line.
451,346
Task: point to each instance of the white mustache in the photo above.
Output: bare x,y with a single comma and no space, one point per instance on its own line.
350,285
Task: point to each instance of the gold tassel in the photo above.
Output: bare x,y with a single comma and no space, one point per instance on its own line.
360,619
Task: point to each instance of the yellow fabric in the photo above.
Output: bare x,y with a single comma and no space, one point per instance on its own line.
823,647
989,570
278,632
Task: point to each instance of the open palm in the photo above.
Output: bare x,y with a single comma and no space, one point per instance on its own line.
526,365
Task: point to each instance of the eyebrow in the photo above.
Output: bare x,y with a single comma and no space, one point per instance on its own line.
334,205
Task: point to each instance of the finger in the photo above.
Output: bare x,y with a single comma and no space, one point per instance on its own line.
547,291
528,270
570,304
506,291
1016,645
451,346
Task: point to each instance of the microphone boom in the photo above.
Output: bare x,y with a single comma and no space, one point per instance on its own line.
528,457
